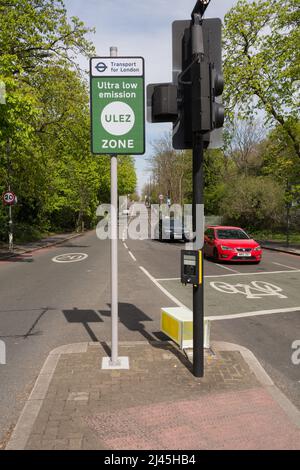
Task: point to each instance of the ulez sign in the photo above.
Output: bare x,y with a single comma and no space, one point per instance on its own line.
117,105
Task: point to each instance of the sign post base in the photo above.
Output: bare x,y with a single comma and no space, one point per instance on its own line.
121,363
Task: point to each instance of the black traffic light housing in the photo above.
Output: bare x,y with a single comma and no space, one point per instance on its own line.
200,83
162,102
193,101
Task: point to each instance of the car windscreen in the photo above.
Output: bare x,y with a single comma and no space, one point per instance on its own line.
234,234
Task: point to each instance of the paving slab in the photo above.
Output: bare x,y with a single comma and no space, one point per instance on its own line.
157,403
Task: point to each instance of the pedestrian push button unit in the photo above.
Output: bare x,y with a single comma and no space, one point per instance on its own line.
191,267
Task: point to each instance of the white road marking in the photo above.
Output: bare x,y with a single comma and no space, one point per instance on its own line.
125,246
167,293
70,258
254,274
285,266
254,290
225,267
132,256
230,275
221,317
253,314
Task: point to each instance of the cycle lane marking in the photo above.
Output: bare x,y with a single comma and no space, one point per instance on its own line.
254,290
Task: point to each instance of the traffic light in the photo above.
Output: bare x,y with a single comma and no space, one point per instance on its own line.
193,101
161,102
217,83
199,82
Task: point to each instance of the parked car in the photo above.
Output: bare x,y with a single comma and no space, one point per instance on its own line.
171,229
230,244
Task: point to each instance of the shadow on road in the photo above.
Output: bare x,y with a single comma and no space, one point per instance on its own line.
17,258
84,317
131,317
30,332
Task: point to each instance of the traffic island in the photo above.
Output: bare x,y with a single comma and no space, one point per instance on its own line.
157,403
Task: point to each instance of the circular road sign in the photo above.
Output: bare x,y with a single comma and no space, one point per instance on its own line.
117,118
70,258
8,198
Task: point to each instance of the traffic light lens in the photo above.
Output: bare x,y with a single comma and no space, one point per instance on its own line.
219,84
218,115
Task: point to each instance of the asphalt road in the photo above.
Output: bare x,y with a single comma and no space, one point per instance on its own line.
45,304
256,306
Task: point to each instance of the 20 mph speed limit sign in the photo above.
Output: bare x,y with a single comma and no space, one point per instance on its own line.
8,198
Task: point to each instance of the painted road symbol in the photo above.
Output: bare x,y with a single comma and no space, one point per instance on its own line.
9,198
70,258
254,290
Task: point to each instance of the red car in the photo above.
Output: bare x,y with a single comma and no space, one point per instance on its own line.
230,244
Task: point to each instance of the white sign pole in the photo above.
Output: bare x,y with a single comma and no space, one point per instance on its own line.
114,249
115,361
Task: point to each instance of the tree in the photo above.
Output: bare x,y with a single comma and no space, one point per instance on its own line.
169,168
280,162
34,32
45,123
215,174
253,202
243,146
262,62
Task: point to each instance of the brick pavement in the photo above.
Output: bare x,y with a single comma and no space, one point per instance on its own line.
158,404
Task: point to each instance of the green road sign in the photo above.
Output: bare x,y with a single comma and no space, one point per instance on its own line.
117,105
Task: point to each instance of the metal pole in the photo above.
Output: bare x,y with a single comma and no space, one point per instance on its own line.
10,221
10,234
198,291
198,200
114,249
288,220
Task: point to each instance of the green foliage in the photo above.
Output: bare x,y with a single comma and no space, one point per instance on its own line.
44,123
214,171
253,202
262,61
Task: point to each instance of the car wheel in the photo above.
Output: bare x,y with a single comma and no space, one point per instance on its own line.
216,255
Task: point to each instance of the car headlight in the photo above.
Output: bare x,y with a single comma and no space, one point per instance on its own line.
224,248
257,248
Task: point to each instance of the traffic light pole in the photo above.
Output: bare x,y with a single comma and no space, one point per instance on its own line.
191,103
198,291
198,201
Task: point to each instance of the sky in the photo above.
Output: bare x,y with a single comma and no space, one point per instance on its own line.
140,28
